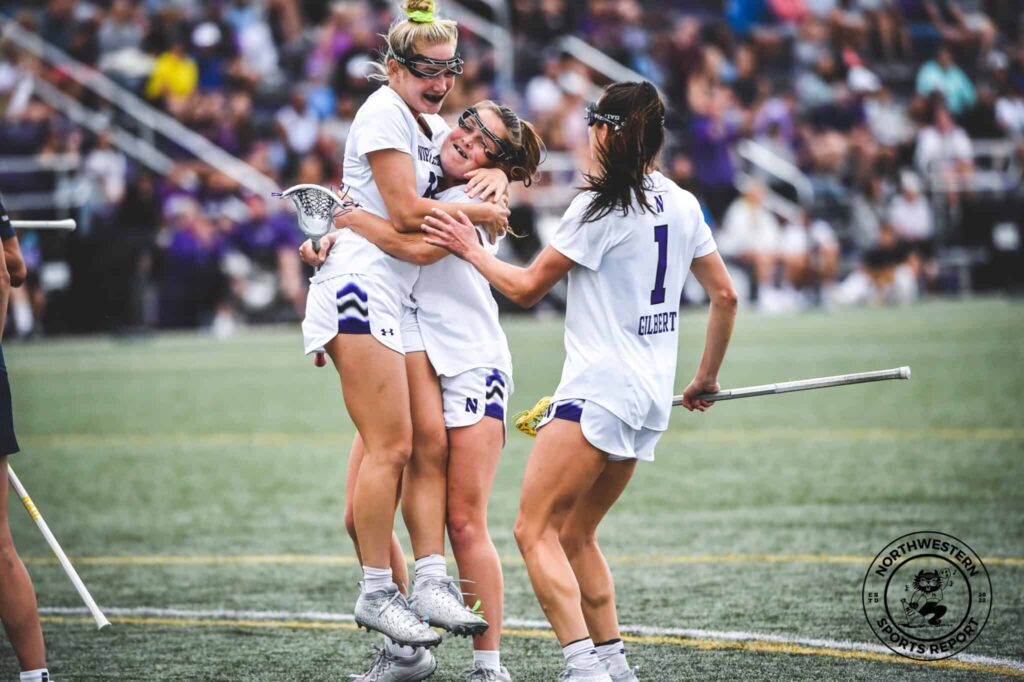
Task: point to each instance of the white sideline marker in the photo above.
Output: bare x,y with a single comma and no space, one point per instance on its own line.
523,624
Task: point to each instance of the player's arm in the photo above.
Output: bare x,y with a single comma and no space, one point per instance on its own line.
396,179
406,246
524,286
711,273
16,268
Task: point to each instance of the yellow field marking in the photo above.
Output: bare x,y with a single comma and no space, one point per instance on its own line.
714,435
508,560
701,643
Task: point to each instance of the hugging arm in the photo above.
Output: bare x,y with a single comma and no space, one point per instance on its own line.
525,286
396,179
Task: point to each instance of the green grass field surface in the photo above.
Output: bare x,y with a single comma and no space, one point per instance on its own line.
198,486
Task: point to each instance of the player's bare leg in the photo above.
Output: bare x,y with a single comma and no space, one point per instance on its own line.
17,597
424,487
561,468
579,540
399,569
472,465
376,401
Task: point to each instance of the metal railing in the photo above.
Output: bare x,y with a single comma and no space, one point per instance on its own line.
149,119
499,34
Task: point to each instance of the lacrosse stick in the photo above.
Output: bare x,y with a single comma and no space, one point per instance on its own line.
317,207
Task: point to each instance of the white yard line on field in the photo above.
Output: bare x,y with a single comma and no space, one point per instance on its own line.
684,637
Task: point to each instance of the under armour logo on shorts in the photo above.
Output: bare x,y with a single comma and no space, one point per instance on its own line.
387,332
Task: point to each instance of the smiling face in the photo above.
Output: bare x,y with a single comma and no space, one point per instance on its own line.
465,148
423,95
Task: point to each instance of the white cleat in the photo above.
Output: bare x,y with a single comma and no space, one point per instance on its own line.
387,612
627,676
439,602
389,668
577,675
481,673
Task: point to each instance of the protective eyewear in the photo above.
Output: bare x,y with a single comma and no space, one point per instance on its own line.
594,116
427,67
471,123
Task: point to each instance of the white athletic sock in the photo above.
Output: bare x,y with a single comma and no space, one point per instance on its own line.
613,654
488,659
376,579
430,566
37,675
398,650
582,655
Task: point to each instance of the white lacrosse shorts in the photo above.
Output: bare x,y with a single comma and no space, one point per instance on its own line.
474,394
604,430
352,304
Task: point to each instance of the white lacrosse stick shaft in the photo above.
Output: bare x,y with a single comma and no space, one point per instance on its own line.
803,385
101,620
68,224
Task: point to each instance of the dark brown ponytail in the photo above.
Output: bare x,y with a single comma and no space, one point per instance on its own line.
629,151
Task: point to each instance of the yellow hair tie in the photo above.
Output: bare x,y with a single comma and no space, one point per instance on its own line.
528,421
421,17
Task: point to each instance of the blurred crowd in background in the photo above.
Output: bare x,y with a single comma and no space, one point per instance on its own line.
845,151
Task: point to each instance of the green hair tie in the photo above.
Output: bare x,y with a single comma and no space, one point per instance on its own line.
421,17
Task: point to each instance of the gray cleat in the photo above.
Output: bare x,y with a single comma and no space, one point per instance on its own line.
439,602
387,612
481,673
389,668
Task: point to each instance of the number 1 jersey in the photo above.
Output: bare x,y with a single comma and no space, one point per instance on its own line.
622,310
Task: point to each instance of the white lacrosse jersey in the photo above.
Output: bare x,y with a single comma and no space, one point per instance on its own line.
457,312
383,122
622,308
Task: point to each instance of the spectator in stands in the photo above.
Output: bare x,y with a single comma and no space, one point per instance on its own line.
713,136
883,276
750,236
106,169
297,126
173,79
867,212
888,120
944,153
191,284
943,75
910,216
1010,111
810,257
122,28
265,265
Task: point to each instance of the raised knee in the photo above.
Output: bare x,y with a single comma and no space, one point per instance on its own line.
525,533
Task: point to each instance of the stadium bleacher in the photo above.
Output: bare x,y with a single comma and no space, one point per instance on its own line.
829,103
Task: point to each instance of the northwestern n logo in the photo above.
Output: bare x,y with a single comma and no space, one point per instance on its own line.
471,405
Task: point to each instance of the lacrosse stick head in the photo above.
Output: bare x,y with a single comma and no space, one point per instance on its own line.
316,208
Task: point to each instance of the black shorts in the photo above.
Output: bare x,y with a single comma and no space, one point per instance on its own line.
8,442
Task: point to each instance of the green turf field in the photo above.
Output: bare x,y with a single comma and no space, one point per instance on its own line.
195,481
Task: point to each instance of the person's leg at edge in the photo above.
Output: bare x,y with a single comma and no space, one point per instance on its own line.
377,401
18,610
423,487
579,540
562,467
472,465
